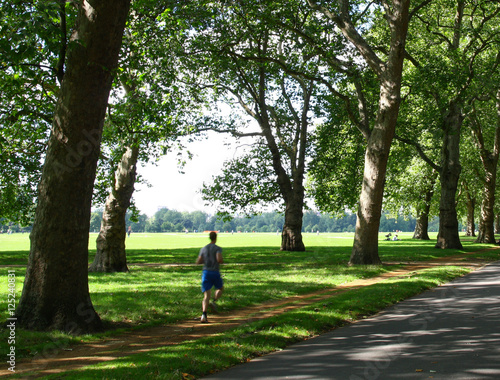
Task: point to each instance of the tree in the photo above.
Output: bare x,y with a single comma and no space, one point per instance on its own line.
241,48
379,137
448,43
410,188
146,116
489,160
110,254
313,31
55,293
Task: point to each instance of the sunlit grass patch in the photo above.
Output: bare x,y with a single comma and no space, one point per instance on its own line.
214,353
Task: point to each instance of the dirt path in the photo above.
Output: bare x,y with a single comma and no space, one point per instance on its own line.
56,359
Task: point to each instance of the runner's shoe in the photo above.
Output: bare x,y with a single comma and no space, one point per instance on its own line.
203,319
213,306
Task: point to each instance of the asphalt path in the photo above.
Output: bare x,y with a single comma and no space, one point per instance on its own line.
450,332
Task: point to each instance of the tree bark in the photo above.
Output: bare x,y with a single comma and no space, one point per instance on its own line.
422,226
365,247
448,237
111,255
471,206
291,186
291,236
56,293
489,160
497,224
487,221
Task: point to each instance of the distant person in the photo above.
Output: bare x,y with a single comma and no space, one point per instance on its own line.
129,230
210,256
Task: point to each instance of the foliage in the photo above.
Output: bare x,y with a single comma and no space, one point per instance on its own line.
336,168
33,41
149,105
166,220
409,179
240,60
246,183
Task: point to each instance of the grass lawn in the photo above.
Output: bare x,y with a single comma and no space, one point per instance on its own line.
255,272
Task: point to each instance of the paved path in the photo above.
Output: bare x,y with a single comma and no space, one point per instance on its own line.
450,332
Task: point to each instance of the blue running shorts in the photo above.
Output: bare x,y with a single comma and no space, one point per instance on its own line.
210,279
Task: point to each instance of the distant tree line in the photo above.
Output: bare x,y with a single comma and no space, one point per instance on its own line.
166,220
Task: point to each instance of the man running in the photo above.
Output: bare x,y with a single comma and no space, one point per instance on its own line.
210,256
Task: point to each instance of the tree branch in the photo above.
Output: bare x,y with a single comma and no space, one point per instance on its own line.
230,131
420,151
343,21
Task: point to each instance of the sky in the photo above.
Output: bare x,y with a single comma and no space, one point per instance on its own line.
181,192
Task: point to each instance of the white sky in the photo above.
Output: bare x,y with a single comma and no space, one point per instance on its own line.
181,192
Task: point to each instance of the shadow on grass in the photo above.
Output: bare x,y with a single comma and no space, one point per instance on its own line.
168,294
205,355
403,250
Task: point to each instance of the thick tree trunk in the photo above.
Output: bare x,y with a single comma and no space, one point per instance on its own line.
422,226
365,247
56,293
291,236
448,237
497,224
487,221
111,255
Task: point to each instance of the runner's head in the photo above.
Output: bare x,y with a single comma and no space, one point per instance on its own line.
213,236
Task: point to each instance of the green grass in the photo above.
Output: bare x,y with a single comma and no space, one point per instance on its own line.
255,272
174,248
206,355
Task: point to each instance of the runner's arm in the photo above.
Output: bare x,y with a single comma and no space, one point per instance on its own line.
199,259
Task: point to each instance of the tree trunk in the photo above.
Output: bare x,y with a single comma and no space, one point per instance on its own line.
56,293
111,255
471,226
487,220
365,247
497,224
422,225
448,237
291,236
489,160
291,186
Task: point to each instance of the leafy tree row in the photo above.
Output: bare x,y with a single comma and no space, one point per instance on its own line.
362,73
166,220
